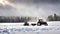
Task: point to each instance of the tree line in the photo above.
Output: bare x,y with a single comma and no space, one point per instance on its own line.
54,17
14,19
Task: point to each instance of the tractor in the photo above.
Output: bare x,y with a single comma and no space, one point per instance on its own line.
41,22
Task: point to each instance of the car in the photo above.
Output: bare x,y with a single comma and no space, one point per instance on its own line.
41,22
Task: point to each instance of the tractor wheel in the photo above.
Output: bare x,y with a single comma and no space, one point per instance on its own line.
38,24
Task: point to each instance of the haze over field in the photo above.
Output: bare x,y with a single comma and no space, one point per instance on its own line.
38,8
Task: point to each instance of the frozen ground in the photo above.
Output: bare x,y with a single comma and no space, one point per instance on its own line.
18,28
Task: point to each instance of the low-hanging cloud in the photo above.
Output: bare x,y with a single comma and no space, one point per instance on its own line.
37,8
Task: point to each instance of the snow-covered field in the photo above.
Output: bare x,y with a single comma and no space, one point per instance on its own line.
18,28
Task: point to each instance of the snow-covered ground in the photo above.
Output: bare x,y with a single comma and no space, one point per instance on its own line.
18,28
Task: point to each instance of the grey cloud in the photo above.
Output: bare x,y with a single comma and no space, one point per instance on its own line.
35,1
7,7
6,10
41,8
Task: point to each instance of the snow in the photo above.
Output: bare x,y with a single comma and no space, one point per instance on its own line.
18,28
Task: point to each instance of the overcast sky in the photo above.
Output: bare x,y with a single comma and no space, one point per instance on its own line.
38,8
